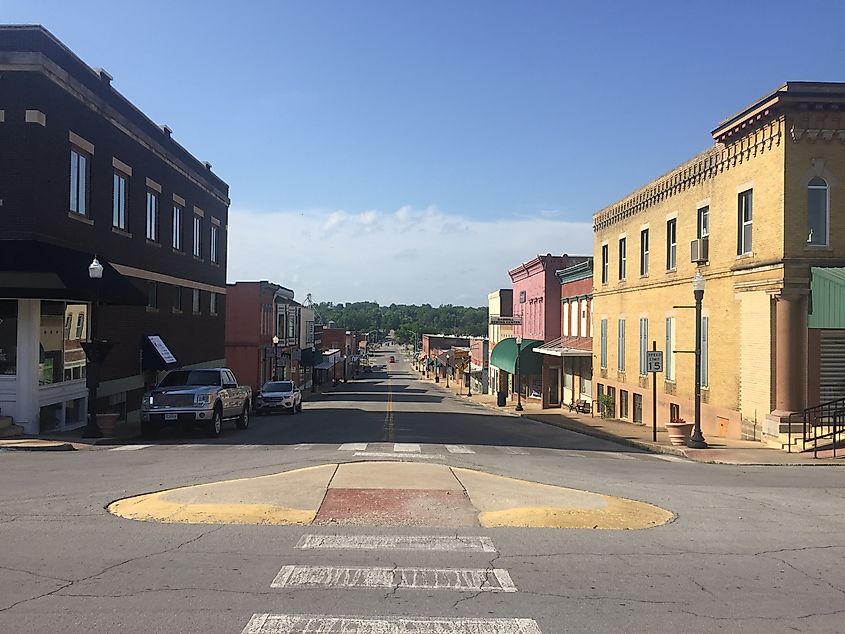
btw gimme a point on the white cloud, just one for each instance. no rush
(406, 256)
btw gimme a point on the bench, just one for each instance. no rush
(582, 405)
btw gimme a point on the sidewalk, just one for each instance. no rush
(721, 451)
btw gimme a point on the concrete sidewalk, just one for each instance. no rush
(721, 451)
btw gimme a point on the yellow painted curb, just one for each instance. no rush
(620, 514)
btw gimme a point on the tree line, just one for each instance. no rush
(405, 320)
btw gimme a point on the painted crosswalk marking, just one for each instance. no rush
(303, 446)
(353, 446)
(406, 447)
(129, 447)
(322, 624)
(443, 543)
(460, 579)
(514, 451)
(668, 458)
(390, 454)
(458, 449)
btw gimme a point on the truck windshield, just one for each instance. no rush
(278, 386)
(191, 377)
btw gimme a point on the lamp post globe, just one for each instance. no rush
(95, 269)
(696, 441)
(275, 357)
(94, 353)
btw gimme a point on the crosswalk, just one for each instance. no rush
(296, 576)
(413, 451)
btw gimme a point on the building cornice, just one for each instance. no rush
(580, 271)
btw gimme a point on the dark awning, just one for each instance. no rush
(37, 270)
(504, 356)
(155, 355)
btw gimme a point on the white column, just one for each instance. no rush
(29, 336)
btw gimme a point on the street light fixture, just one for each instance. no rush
(313, 368)
(275, 357)
(469, 376)
(95, 353)
(697, 441)
(518, 377)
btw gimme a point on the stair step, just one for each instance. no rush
(6, 421)
(10, 431)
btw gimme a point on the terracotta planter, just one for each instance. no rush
(679, 432)
(107, 423)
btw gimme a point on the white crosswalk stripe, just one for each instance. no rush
(316, 623)
(129, 447)
(514, 451)
(403, 456)
(303, 447)
(353, 446)
(440, 543)
(668, 458)
(406, 447)
(458, 449)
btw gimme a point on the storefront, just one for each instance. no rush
(529, 364)
(567, 370)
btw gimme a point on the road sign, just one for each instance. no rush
(499, 320)
(654, 360)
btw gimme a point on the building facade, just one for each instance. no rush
(499, 304)
(84, 174)
(756, 216)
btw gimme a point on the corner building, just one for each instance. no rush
(761, 216)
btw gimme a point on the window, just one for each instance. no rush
(119, 201)
(705, 354)
(212, 254)
(623, 257)
(743, 225)
(565, 319)
(177, 298)
(8, 336)
(669, 361)
(584, 318)
(195, 300)
(79, 181)
(68, 322)
(620, 346)
(672, 244)
(623, 404)
(643, 346)
(198, 236)
(703, 229)
(604, 343)
(638, 408)
(152, 294)
(177, 227)
(80, 325)
(152, 216)
(605, 264)
(212, 298)
(818, 205)
(591, 319)
(644, 252)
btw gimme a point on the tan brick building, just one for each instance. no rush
(760, 200)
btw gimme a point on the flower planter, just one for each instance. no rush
(679, 432)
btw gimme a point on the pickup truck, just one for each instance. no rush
(201, 397)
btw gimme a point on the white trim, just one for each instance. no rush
(36, 116)
(671, 216)
(120, 165)
(153, 185)
(623, 235)
(742, 187)
(705, 202)
(645, 227)
(79, 142)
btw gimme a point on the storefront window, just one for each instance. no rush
(74, 356)
(51, 351)
(8, 336)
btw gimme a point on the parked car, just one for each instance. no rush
(202, 397)
(278, 395)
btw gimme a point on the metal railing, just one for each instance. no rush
(820, 424)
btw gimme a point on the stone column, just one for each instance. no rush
(29, 336)
(790, 334)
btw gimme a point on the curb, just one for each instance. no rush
(61, 447)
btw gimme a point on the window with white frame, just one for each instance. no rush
(152, 215)
(643, 346)
(620, 345)
(605, 264)
(669, 364)
(623, 257)
(644, 252)
(178, 215)
(671, 244)
(818, 205)
(197, 236)
(591, 318)
(705, 353)
(565, 319)
(604, 343)
(703, 222)
(574, 313)
(212, 252)
(120, 199)
(79, 181)
(583, 330)
(744, 224)
(80, 324)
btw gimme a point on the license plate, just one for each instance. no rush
(171, 416)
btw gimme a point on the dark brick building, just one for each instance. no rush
(83, 172)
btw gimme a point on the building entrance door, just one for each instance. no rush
(553, 387)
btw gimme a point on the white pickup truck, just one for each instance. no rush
(201, 397)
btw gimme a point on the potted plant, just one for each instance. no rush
(606, 405)
(679, 431)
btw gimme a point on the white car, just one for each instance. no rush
(278, 395)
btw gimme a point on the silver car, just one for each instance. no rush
(278, 395)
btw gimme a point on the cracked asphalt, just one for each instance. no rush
(752, 549)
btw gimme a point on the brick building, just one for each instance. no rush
(83, 172)
(755, 214)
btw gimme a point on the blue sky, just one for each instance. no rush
(419, 140)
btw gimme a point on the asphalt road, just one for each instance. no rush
(753, 549)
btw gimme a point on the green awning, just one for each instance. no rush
(504, 356)
(827, 297)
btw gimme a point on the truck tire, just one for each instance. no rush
(215, 425)
(243, 420)
(299, 407)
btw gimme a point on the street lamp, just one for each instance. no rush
(275, 357)
(95, 352)
(518, 377)
(313, 367)
(697, 441)
(469, 376)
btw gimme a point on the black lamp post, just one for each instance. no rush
(469, 376)
(275, 357)
(518, 377)
(697, 441)
(95, 353)
(313, 368)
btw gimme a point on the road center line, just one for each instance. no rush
(442, 543)
(322, 624)
(459, 579)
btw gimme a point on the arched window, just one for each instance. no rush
(817, 211)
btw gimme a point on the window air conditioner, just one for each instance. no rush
(700, 250)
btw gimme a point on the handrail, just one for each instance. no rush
(820, 422)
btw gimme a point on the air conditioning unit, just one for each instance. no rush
(699, 250)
